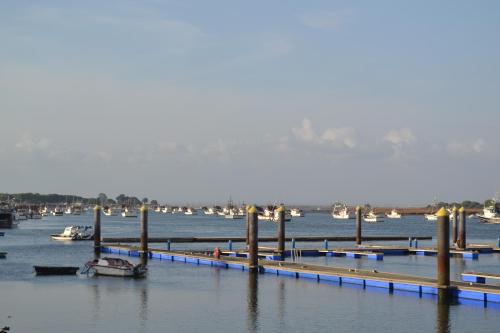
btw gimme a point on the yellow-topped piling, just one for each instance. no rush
(442, 212)
(462, 238)
(253, 239)
(281, 231)
(443, 245)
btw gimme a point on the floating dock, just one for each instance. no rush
(261, 239)
(479, 277)
(366, 279)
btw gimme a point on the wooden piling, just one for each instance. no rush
(97, 229)
(144, 232)
(281, 232)
(443, 244)
(454, 223)
(358, 225)
(253, 239)
(462, 239)
(248, 226)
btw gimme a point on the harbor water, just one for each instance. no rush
(179, 297)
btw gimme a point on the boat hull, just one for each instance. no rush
(119, 272)
(55, 270)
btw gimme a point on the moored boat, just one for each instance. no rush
(55, 270)
(393, 214)
(371, 217)
(340, 212)
(74, 233)
(430, 217)
(296, 212)
(115, 267)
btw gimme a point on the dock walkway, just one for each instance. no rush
(338, 275)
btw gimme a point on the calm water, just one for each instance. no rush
(185, 298)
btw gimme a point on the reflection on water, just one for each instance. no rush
(143, 308)
(96, 300)
(281, 304)
(443, 312)
(252, 302)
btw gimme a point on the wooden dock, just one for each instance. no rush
(337, 275)
(165, 239)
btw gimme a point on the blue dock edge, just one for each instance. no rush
(337, 279)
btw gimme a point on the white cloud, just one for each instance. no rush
(323, 19)
(27, 144)
(458, 148)
(343, 137)
(399, 139)
(306, 132)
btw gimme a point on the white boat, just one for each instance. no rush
(430, 217)
(393, 215)
(111, 211)
(296, 212)
(115, 267)
(371, 217)
(267, 215)
(179, 210)
(166, 209)
(490, 214)
(190, 211)
(242, 211)
(57, 211)
(68, 210)
(129, 212)
(74, 233)
(340, 212)
(233, 214)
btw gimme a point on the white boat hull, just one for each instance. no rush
(112, 271)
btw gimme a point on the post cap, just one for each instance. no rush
(358, 207)
(97, 207)
(252, 210)
(442, 212)
(281, 209)
(144, 208)
(461, 210)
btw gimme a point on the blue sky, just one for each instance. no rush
(387, 102)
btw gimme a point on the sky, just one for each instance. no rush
(301, 102)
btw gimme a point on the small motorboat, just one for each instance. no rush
(393, 214)
(55, 270)
(340, 212)
(74, 233)
(129, 212)
(296, 212)
(233, 214)
(430, 217)
(2, 233)
(371, 217)
(115, 267)
(190, 211)
(3, 255)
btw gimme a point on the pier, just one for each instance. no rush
(337, 275)
(165, 239)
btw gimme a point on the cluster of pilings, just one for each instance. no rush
(252, 236)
